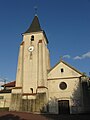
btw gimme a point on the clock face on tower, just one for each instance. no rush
(31, 48)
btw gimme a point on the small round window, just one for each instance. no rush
(63, 85)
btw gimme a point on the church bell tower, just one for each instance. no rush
(33, 64)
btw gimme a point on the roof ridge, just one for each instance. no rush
(67, 65)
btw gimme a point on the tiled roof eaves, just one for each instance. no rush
(10, 84)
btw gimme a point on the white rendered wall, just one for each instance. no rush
(73, 92)
(5, 102)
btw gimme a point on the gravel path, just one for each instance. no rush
(30, 116)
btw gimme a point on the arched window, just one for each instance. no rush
(62, 70)
(32, 38)
(31, 90)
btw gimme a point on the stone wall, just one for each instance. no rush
(28, 105)
(31, 105)
(16, 100)
(34, 105)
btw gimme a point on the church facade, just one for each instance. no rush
(40, 88)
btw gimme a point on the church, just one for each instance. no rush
(40, 88)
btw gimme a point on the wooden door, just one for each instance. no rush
(63, 107)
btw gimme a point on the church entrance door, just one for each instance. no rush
(63, 107)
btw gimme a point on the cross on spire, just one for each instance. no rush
(61, 58)
(35, 8)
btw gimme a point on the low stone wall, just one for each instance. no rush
(16, 100)
(31, 105)
(34, 105)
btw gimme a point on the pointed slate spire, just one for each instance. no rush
(35, 25)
